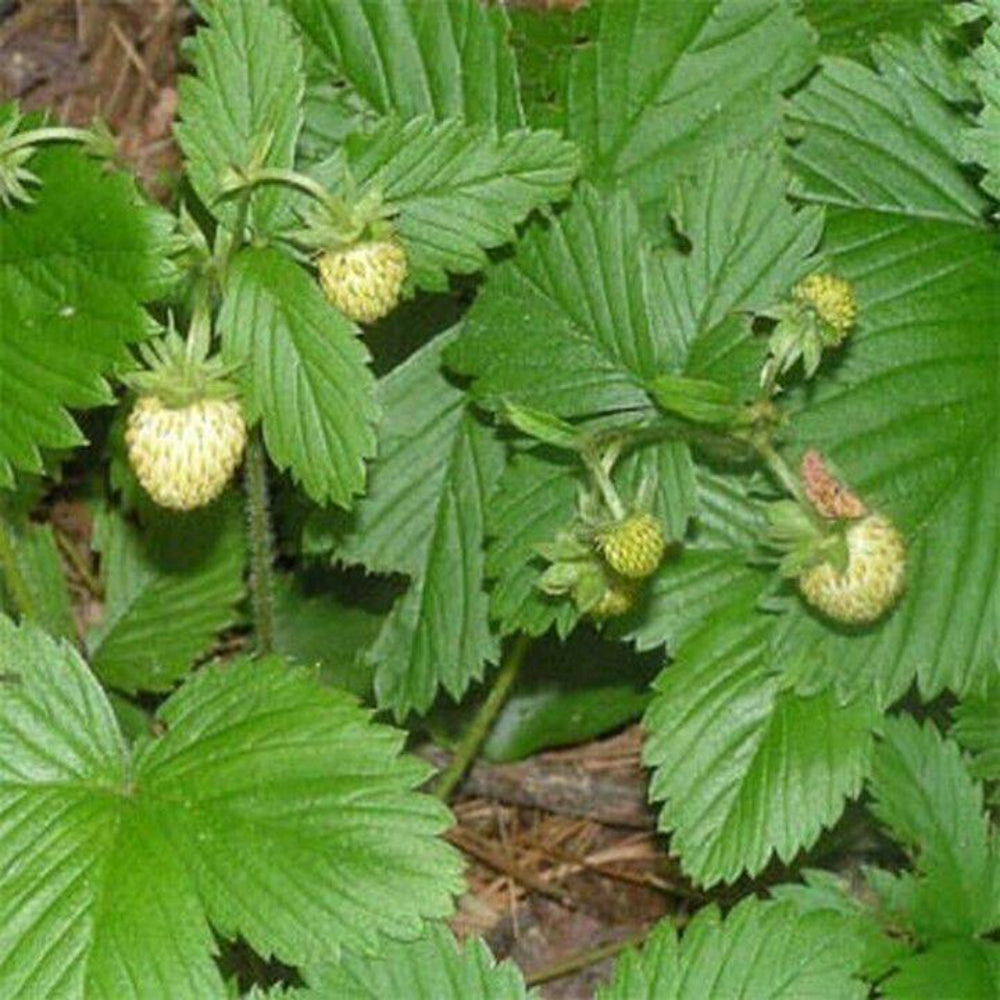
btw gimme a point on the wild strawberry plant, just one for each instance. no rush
(659, 333)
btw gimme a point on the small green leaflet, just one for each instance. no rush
(424, 516)
(434, 967)
(244, 104)
(911, 412)
(924, 793)
(271, 808)
(981, 142)
(172, 584)
(304, 371)
(459, 190)
(762, 949)
(663, 85)
(744, 768)
(446, 59)
(75, 268)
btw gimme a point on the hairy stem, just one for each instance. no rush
(261, 541)
(17, 586)
(480, 726)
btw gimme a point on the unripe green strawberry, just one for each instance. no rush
(618, 599)
(364, 280)
(873, 580)
(185, 455)
(833, 300)
(634, 547)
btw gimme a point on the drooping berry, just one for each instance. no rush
(872, 581)
(185, 455)
(832, 299)
(634, 547)
(364, 280)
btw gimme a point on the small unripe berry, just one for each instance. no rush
(832, 298)
(364, 281)
(618, 599)
(184, 456)
(873, 580)
(634, 547)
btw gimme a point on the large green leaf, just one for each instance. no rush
(744, 767)
(924, 793)
(270, 808)
(433, 967)
(662, 85)
(304, 373)
(761, 951)
(447, 59)
(171, 585)
(244, 104)
(74, 269)
(459, 190)
(910, 413)
(424, 516)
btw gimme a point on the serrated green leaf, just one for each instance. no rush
(574, 323)
(424, 516)
(434, 967)
(304, 373)
(171, 585)
(958, 970)
(910, 412)
(271, 808)
(744, 768)
(848, 28)
(924, 793)
(981, 142)
(977, 728)
(763, 950)
(660, 86)
(459, 190)
(37, 588)
(244, 104)
(448, 59)
(75, 268)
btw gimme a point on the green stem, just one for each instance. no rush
(480, 726)
(54, 133)
(584, 959)
(17, 586)
(782, 471)
(261, 540)
(236, 237)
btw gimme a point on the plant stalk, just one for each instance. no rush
(480, 726)
(584, 959)
(261, 542)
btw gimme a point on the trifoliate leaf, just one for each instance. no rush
(662, 85)
(434, 967)
(909, 414)
(36, 588)
(75, 267)
(763, 950)
(962, 969)
(744, 768)
(424, 515)
(304, 373)
(924, 793)
(270, 808)
(981, 142)
(459, 190)
(243, 106)
(447, 59)
(977, 728)
(171, 585)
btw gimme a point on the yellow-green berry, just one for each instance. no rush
(618, 599)
(872, 581)
(364, 281)
(184, 456)
(634, 547)
(831, 298)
